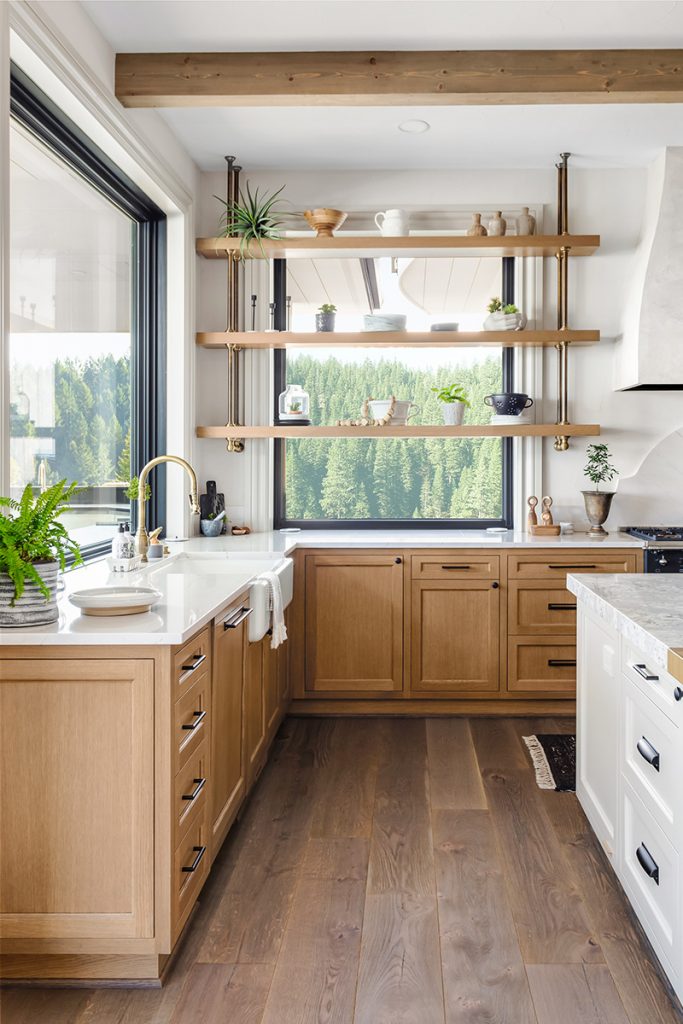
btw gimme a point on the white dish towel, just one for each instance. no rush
(279, 634)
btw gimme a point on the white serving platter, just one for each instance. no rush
(115, 600)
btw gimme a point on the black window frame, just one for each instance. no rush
(280, 520)
(38, 114)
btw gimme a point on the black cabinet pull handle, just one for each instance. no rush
(200, 851)
(197, 660)
(557, 606)
(678, 692)
(648, 752)
(593, 566)
(397, 561)
(199, 718)
(648, 863)
(237, 618)
(450, 567)
(561, 662)
(644, 671)
(199, 786)
(495, 585)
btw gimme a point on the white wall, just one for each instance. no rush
(605, 202)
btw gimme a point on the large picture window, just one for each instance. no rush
(86, 343)
(441, 482)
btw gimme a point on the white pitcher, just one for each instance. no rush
(392, 222)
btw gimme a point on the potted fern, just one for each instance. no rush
(599, 470)
(455, 400)
(252, 219)
(34, 546)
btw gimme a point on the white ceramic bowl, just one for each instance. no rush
(115, 600)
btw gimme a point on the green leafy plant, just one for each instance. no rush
(452, 393)
(599, 468)
(496, 306)
(252, 219)
(131, 490)
(31, 533)
(327, 307)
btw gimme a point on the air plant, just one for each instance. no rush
(251, 219)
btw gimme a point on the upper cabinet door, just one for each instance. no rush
(354, 624)
(455, 639)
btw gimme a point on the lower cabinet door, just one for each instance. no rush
(227, 770)
(255, 736)
(455, 641)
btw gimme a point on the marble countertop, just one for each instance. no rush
(647, 610)
(190, 600)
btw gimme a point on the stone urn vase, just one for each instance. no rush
(598, 504)
(32, 608)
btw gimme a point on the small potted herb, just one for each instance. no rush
(599, 470)
(324, 318)
(504, 317)
(455, 400)
(252, 219)
(34, 546)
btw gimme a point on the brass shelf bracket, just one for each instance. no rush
(562, 440)
(234, 444)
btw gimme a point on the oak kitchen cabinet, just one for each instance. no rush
(121, 771)
(491, 629)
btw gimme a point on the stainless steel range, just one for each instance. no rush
(663, 547)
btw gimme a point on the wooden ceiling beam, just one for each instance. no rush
(390, 78)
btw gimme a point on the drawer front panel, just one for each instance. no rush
(649, 869)
(651, 757)
(191, 721)
(190, 868)
(542, 665)
(535, 608)
(547, 565)
(455, 565)
(189, 790)
(191, 662)
(651, 680)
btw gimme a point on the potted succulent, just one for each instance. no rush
(599, 470)
(455, 400)
(34, 546)
(504, 317)
(324, 318)
(251, 219)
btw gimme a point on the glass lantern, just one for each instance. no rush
(294, 405)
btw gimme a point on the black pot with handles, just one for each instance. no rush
(512, 403)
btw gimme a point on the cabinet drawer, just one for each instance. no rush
(534, 607)
(651, 757)
(189, 789)
(546, 665)
(455, 565)
(191, 714)
(192, 661)
(653, 681)
(547, 565)
(649, 873)
(190, 868)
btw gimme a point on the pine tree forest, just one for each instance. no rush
(392, 478)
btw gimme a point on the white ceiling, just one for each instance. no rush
(364, 138)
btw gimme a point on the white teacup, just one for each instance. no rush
(402, 411)
(392, 222)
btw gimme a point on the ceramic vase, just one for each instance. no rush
(598, 504)
(526, 222)
(477, 228)
(453, 413)
(497, 224)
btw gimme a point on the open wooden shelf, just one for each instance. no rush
(416, 246)
(394, 339)
(470, 430)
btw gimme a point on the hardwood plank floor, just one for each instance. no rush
(397, 872)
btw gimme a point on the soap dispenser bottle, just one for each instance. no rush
(118, 544)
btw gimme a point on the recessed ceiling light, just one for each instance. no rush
(414, 127)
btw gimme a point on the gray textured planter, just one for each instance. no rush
(31, 609)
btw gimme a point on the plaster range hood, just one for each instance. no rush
(649, 353)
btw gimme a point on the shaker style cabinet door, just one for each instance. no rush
(455, 636)
(354, 624)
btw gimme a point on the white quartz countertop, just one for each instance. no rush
(190, 599)
(647, 610)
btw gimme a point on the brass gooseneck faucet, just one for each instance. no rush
(141, 535)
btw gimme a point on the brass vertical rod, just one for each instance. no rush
(234, 444)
